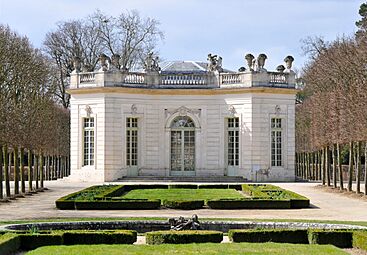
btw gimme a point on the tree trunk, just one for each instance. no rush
(21, 167)
(327, 163)
(10, 162)
(30, 177)
(323, 171)
(340, 168)
(350, 167)
(6, 171)
(16, 171)
(53, 167)
(358, 167)
(41, 170)
(365, 168)
(1, 173)
(334, 166)
(36, 170)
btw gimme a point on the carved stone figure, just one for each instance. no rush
(104, 61)
(87, 68)
(181, 223)
(288, 61)
(214, 63)
(77, 64)
(151, 63)
(115, 61)
(280, 68)
(249, 58)
(261, 62)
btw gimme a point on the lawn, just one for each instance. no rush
(183, 194)
(191, 249)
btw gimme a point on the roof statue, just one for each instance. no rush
(151, 63)
(214, 63)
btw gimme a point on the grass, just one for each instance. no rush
(183, 194)
(191, 249)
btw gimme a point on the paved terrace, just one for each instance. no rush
(325, 206)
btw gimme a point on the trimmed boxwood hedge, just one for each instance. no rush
(360, 240)
(338, 238)
(33, 241)
(9, 243)
(186, 236)
(183, 186)
(184, 205)
(249, 204)
(102, 197)
(269, 235)
(99, 237)
(118, 205)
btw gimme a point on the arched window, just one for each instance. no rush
(182, 121)
(182, 146)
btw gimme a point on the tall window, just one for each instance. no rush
(132, 141)
(233, 141)
(276, 142)
(88, 140)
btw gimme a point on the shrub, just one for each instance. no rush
(235, 186)
(269, 235)
(184, 205)
(338, 238)
(187, 236)
(9, 243)
(248, 204)
(33, 241)
(360, 240)
(99, 237)
(118, 205)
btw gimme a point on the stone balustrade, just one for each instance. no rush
(165, 80)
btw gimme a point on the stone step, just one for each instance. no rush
(214, 179)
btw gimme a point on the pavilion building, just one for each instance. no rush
(184, 118)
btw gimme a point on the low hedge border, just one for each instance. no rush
(249, 204)
(33, 241)
(99, 237)
(360, 240)
(118, 205)
(186, 236)
(184, 205)
(118, 190)
(9, 243)
(338, 238)
(102, 197)
(269, 235)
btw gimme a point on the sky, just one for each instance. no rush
(194, 28)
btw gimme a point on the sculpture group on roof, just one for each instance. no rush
(151, 63)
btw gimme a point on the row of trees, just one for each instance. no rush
(331, 121)
(32, 127)
(34, 115)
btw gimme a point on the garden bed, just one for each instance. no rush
(185, 196)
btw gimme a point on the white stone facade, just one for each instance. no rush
(250, 96)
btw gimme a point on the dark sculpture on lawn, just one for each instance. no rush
(181, 223)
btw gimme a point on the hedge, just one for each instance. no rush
(213, 186)
(9, 243)
(183, 186)
(186, 236)
(118, 205)
(118, 190)
(184, 205)
(269, 235)
(99, 237)
(360, 240)
(338, 238)
(33, 241)
(249, 204)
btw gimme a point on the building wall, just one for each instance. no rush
(155, 112)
